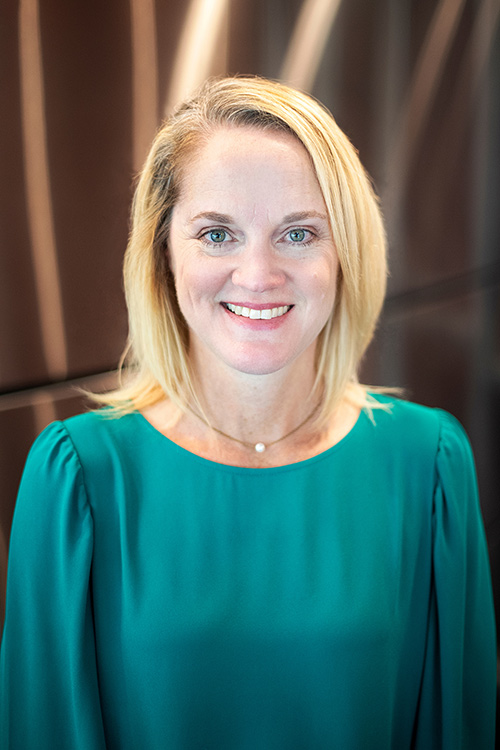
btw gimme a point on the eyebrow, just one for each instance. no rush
(288, 219)
(213, 216)
(302, 216)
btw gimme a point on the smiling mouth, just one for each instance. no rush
(251, 312)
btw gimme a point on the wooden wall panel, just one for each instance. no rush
(414, 84)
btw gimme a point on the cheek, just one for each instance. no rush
(198, 279)
(324, 281)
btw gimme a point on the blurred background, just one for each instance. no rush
(83, 86)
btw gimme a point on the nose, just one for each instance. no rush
(258, 270)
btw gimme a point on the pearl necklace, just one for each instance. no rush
(259, 447)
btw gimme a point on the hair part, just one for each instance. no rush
(157, 353)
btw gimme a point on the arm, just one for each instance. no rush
(48, 676)
(457, 702)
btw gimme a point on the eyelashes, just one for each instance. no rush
(218, 236)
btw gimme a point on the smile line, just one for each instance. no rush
(253, 314)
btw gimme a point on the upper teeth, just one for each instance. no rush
(250, 312)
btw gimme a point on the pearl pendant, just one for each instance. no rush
(260, 447)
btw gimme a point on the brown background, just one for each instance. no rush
(83, 85)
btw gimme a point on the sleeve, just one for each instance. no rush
(49, 694)
(458, 696)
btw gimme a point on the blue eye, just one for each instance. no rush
(298, 235)
(217, 235)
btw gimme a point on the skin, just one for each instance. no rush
(273, 247)
(250, 229)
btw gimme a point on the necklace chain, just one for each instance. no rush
(259, 447)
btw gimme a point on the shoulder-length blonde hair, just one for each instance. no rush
(157, 350)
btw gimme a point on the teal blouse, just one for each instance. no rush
(157, 600)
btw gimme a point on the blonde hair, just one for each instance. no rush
(157, 350)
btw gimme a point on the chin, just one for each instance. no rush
(262, 358)
(253, 369)
(259, 363)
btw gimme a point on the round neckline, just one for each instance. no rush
(360, 421)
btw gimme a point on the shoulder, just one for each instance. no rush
(71, 444)
(429, 451)
(101, 439)
(404, 419)
(99, 430)
(83, 457)
(52, 450)
(52, 481)
(418, 429)
(94, 424)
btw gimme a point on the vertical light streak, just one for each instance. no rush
(418, 105)
(144, 77)
(41, 226)
(429, 70)
(44, 408)
(308, 42)
(200, 39)
(484, 246)
(464, 108)
(473, 66)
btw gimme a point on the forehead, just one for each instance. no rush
(234, 156)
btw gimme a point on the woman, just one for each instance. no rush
(247, 549)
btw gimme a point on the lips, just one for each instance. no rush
(257, 313)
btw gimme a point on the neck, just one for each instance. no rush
(253, 409)
(257, 408)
